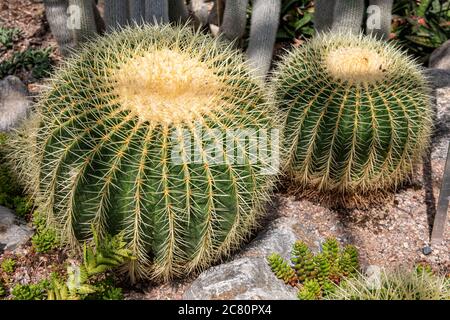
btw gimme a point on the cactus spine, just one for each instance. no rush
(111, 148)
(358, 114)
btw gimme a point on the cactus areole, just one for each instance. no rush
(358, 114)
(124, 143)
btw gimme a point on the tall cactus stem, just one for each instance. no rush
(87, 27)
(323, 15)
(156, 11)
(348, 16)
(234, 19)
(380, 26)
(216, 15)
(116, 14)
(263, 33)
(57, 17)
(137, 11)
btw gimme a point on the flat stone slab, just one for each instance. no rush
(248, 276)
(242, 279)
(13, 232)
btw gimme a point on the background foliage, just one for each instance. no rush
(418, 26)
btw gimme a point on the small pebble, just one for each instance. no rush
(427, 250)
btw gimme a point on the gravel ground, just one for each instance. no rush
(29, 17)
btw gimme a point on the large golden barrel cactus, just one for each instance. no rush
(357, 114)
(133, 135)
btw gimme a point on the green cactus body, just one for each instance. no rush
(281, 268)
(358, 114)
(109, 126)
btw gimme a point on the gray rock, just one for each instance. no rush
(278, 237)
(438, 78)
(242, 279)
(13, 232)
(14, 102)
(440, 58)
(249, 277)
(440, 83)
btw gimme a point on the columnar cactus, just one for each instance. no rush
(263, 30)
(358, 114)
(348, 16)
(56, 13)
(72, 22)
(113, 147)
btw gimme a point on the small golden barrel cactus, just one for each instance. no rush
(146, 131)
(358, 114)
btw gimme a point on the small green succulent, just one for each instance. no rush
(2, 289)
(35, 291)
(45, 238)
(310, 291)
(82, 281)
(106, 290)
(8, 265)
(7, 37)
(317, 274)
